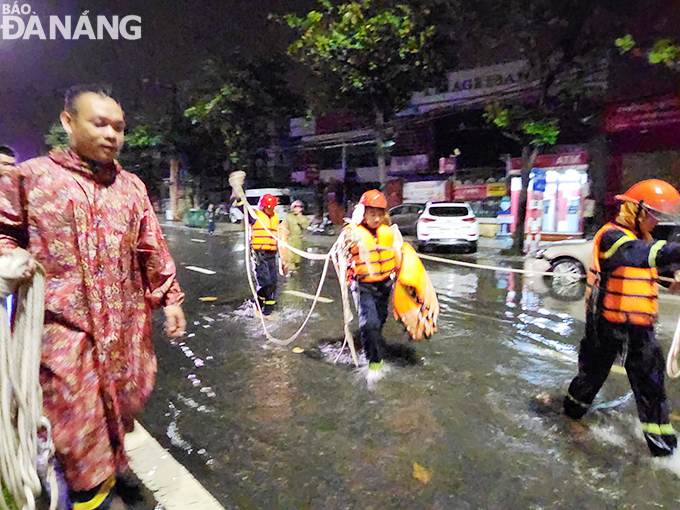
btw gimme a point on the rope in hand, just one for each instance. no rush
(21, 409)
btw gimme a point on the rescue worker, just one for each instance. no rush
(372, 269)
(264, 248)
(621, 309)
(295, 223)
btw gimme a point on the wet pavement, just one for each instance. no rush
(455, 423)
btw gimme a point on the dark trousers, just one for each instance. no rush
(266, 274)
(644, 364)
(371, 300)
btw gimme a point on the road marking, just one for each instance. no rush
(307, 296)
(200, 270)
(171, 483)
(198, 240)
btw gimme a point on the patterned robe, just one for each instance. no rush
(108, 267)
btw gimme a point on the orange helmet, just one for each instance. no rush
(373, 198)
(267, 200)
(654, 194)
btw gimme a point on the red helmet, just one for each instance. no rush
(373, 198)
(655, 194)
(267, 200)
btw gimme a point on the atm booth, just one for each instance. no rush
(556, 196)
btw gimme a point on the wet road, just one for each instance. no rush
(453, 425)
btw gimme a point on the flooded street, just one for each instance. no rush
(455, 423)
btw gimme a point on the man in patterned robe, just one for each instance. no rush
(92, 227)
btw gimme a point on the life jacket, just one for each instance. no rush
(414, 301)
(627, 294)
(260, 239)
(370, 261)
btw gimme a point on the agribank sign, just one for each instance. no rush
(472, 85)
(19, 21)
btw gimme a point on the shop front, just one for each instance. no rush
(555, 198)
(485, 200)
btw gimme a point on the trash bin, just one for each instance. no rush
(195, 218)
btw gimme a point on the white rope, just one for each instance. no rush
(672, 360)
(21, 411)
(269, 336)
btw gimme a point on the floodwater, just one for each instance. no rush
(454, 424)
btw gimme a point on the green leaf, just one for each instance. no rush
(625, 44)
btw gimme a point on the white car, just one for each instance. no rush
(447, 224)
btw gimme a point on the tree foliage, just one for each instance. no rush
(566, 45)
(372, 56)
(245, 105)
(663, 51)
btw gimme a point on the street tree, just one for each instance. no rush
(566, 46)
(246, 106)
(370, 57)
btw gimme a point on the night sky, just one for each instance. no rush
(176, 36)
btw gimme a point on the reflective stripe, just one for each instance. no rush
(616, 246)
(577, 402)
(101, 495)
(660, 430)
(654, 251)
(270, 302)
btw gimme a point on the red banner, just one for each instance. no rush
(470, 192)
(554, 160)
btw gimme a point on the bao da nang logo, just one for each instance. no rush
(20, 22)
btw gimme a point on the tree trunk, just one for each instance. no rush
(528, 160)
(380, 146)
(174, 189)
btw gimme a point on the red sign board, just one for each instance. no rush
(470, 192)
(643, 114)
(554, 160)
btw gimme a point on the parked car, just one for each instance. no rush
(406, 216)
(447, 224)
(569, 261)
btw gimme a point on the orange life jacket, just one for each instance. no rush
(260, 239)
(629, 293)
(379, 264)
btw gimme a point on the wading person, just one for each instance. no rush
(621, 309)
(264, 248)
(295, 223)
(91, 226)
(372, 270)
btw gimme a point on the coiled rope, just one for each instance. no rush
(21, 409)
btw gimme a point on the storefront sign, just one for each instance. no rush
(495, 189)
(470, 192)
(551, 161)
(480, 83)
(447, 165)
(409, 164)
(644, 114)
(424, 191)
(478, 191)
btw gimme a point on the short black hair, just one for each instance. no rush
(6, 151)
(76, 91)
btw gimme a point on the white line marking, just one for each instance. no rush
(198, 240)
(307, 296)
(172, 484)
(200, 270)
